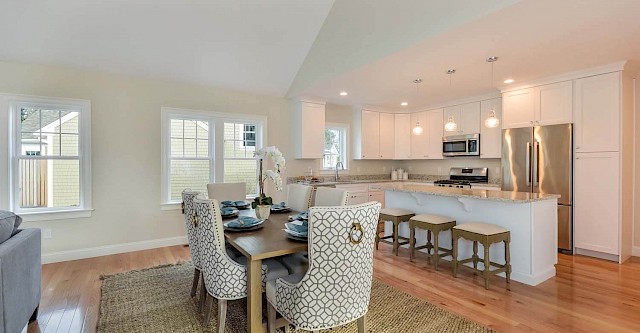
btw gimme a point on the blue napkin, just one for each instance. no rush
(300, 216)
(240, 203)
(298, 228)
(279, 206)
(228, 211)
(243, 222)
(226, 203)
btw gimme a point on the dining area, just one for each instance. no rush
(283, 259)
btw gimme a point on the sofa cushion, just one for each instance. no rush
(16, 225)
(7, 224)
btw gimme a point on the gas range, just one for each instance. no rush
(453, 183)
(464, 177)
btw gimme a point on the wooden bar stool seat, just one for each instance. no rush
(432, 224)
(486, 234)
(397, 216)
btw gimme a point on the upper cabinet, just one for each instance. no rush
(553, 104)
(434, 132)
(490, 138)
(402, 132)
(597, 113)
(374, 135)
(387, 136)
(427, 145)
(466, 117)
(308, 129)
(543, 105)
(370, 134)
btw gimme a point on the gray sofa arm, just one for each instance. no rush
(20, 279)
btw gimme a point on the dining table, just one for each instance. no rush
(270, 241)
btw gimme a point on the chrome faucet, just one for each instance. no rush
(338, 164)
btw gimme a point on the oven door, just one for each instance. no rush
(455, 147)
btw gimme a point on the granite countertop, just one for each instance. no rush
(372, 181)
(495, 195)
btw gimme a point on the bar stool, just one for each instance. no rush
(432, 224)
(397, 216)
(486, 234)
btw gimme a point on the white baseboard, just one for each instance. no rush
(636, 251)
(99, 251)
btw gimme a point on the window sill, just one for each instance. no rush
(171, 206)
(55, 215)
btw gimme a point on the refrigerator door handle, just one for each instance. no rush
(536, 162)
(528, 164)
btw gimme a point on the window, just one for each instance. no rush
(335, 146)
(190, 164)
(239, 163)
(50, 158)
(202, 147)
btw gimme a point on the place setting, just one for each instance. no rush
(297, 228)
(243, 223)
(280, 208)
(240, 204)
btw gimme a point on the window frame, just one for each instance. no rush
(216, 143)
(13, 103)
(344, 129)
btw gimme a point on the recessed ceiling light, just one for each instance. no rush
(404, 103)
(507, 81)
(343, 93)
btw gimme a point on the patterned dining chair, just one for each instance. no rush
(227, 191)
(192, 236)
(332, 292)
(329, 197)
(299, 197)
(224, 278)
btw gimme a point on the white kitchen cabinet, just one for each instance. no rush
(597, 113)
(370, 134)
(308, 129)
(358, 193)
(466, 116)
(597, 202)
(549, 104)
(419, 143)
(518, 108)
(434, 132)
(402, 124)
(553, 104)
(376, 195)
(490, 138)
(387, 136)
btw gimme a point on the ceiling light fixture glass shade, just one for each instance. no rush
(418, 129)
(344, 93)
(451, 125)
(492, 121)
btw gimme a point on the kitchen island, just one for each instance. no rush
(532, 219)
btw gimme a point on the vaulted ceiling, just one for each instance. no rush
(373, 49)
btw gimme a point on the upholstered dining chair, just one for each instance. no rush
(332, 292)
(299, 197)
(224, 278)
(329, 197)
(227, 191)
(192, 235)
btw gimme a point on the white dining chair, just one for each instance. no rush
(328, 197)
(332, 292)
(299, 197)
(188, 197)
(224, 278)
(227, 191)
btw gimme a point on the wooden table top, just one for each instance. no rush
(269, 241)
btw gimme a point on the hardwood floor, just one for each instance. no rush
(587, 295)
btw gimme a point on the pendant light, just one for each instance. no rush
(417, 130)
(451, 125)
(492, 121)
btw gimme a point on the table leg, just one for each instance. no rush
(254, 296)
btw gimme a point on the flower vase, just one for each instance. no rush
(263, 211)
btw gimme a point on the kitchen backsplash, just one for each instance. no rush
(322, 179)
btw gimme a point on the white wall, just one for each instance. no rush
(126, 150)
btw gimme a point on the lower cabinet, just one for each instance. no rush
(597, 202)
(362, 193)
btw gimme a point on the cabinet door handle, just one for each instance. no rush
(380, 155)
(577, 147)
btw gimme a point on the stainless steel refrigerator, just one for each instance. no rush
(539, 160)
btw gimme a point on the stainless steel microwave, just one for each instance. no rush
(461, 145)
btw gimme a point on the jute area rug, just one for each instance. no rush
(157, 300)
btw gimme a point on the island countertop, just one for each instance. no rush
(494, 195)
